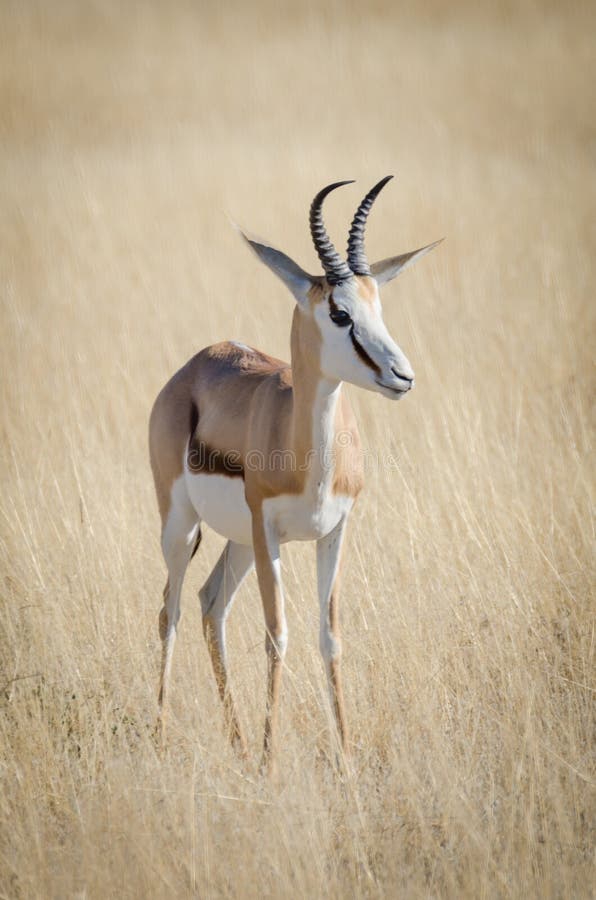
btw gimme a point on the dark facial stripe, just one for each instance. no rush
(339, 317)
(363, 354)
(197, 543)
(333, 307)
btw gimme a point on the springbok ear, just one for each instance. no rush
(295, 279)
(386, 269)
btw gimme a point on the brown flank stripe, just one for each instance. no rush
(206, 460)
(202, 458)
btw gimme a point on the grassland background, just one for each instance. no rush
(128, 134)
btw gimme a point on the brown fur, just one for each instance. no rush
(249, 402)
(225, 403)
(367, 289)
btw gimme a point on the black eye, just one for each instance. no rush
(340, 317)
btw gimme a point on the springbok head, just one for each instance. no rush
(355, 344)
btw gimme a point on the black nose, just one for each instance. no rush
(400, 375)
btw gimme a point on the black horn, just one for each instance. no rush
(335, 268)
(356, 255)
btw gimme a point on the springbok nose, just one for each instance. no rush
(403, 377)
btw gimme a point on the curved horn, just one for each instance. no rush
(335, 268)
(356, 256)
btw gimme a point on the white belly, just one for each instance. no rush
(219, 501)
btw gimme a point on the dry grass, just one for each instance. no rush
(127, 133)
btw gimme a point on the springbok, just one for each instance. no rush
(265, 452)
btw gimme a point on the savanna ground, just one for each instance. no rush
(129, 133)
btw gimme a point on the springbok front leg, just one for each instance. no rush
(328, 566)
(217, 596)
(268, 564)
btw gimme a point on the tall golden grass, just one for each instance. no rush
(128, 134)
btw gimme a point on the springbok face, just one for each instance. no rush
(355, 344)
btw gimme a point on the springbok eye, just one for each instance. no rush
(340, 317)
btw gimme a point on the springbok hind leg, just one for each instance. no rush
(217, 596)
(179, 540)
